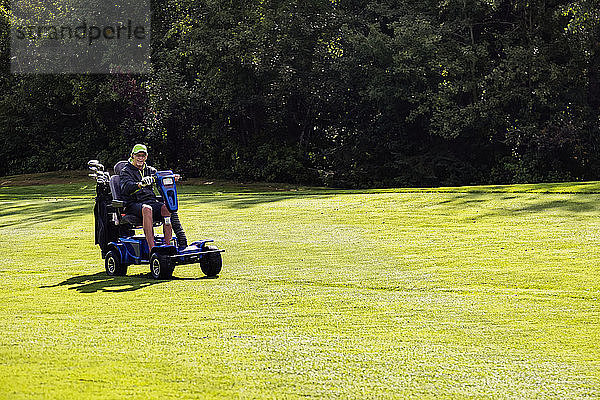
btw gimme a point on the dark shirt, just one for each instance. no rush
(130, 176)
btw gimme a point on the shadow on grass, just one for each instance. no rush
(242, 201)
(44, 191)
(33, 214)
(567, 205)
(15, 213)
(100, 282)
(533, 203)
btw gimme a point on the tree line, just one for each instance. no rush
(338, 92)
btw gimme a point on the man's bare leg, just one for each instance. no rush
(167, 228)
(147, 223)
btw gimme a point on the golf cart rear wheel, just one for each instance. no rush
(113, 264)
(161, 266)
(211, 263)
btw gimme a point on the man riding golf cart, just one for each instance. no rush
(137, 179)
(125, 202)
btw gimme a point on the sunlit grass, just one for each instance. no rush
(475, 292)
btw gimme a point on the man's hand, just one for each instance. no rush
(147, 181)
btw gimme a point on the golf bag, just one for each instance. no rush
(106, 231)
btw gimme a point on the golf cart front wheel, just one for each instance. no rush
(161, 266)
(211, 263)
(113, 264)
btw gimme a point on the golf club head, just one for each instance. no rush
(96, 163)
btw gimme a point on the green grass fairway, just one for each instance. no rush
(482, 292)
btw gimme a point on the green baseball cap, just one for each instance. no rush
(138, 148)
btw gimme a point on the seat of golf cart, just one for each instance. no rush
(125, 220)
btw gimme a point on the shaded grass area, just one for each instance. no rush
(472, 293)
(76, 184)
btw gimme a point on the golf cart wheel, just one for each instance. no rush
(211, 263)
(161, 266)
(113, 264)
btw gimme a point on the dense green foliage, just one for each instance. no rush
(339, 92)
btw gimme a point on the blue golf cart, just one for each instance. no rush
(121, 246)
